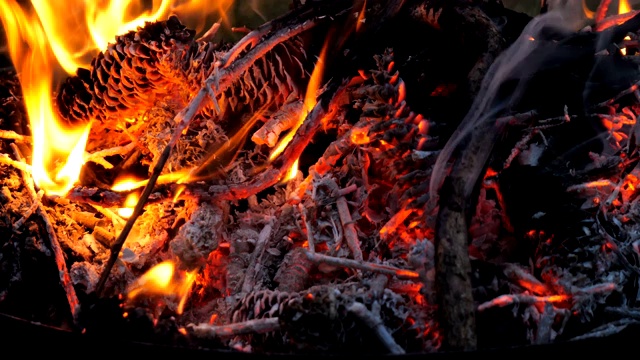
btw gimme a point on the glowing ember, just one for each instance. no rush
(360, 136)
(164, 280)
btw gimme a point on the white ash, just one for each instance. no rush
(200, 235)
(85, 275)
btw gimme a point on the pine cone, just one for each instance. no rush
(137, 70)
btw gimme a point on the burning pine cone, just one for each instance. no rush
(136, 71)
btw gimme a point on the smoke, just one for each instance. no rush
(508, 78)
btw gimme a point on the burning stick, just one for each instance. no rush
(256, 326)
(373, 320)
(65, 279)
(362, 265)
(525, 299)
(272, 175)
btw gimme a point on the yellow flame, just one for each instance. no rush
(623, 7)
(57, 151)
(129, 203)
(106, 21)
(128, 184)
(164, 280)
(308, 104)
(293, 171)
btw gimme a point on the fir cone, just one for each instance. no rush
(133, 73)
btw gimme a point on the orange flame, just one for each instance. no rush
(164, 280)
(309, 101)
(588, 13)
(46, 39)
(623, 7)
(293, 171)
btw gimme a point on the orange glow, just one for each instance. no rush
(309, 102)
(164, 280)
(394, 222)
(588, 13)
(360, 136)
(224, 155)
(402, 92)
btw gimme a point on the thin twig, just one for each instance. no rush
(12, 135)
(63, 273)
(362, 265)
(98, 157)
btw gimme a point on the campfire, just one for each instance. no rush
(378, 176)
